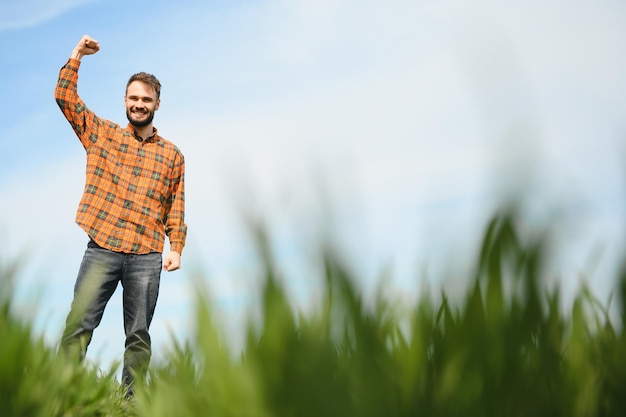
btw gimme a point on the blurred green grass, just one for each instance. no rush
(506, 349)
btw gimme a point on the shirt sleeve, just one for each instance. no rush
(83, 121)
(175, 226)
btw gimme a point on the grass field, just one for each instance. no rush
(506, 349)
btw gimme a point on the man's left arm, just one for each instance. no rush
(175, 226)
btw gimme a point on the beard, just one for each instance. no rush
(140, 123)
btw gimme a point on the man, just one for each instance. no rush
(134, 195)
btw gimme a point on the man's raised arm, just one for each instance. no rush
(66, 91)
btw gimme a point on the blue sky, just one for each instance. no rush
(414, 118)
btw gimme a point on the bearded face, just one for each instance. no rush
(141, 102)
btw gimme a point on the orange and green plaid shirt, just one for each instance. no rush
(134, 190)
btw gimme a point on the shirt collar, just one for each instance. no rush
(151, 138)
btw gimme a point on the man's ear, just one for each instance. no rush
(158, 103)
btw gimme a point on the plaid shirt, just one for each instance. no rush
(134, 190)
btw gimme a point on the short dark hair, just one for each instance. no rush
(148, 79)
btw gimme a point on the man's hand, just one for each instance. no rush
(172, 262)
(86, 46)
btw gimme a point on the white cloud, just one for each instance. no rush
(28, 13)
(409, 103)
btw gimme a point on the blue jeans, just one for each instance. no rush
(98, 276)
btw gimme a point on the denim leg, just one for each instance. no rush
(140, 280)
(99, 273)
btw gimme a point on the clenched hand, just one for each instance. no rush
(86, 46)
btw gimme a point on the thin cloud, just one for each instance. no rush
(25, 14)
